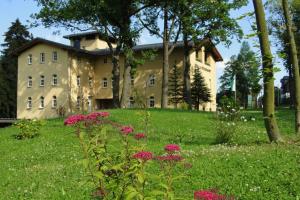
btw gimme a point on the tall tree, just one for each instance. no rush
(295, 62)
(175, 86)
(200, 93)
(16, 36)
(268, 74)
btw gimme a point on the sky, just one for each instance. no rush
(22, 9)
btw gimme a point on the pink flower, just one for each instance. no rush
(170, 158)
(208, 195)
(139, 136)
(96, 115)
(74, 119)
(126, 130)
(143, 155)
(172, 147)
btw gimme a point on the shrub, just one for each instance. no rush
(61, 111)
(28, 128)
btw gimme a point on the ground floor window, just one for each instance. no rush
(54, 102)
(78, 102)
(131, 102)
(42, 102)
(151, 102)
(29, 103)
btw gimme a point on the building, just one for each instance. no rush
(79, 76)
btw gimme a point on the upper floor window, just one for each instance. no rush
(54, 102)
(152, 80)
(42, 81)
(29, 81)
(132, 80)
(42, 58)
(54, 56)
(54, 80)
(42, 102)
(104, 83)
(90, 82)
(78, 102)
(78, 81)
(151, 102)
(29, 59)
(29, 103)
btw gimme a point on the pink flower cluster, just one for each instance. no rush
(172, 147)
(143, 155)
(139, 136)
(209, 195)
(74, 119)
(126, 130)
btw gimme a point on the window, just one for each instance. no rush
(54, 56)
(78, 81)
(42, 81)
(42, 103)
(90, 82)
(207, 62)
(112, 82)
(29, 82)
(54, 80)
(54, 102)
(152, 80)
(29, 59)
(199, 55)
(42, 58)
(131, 102)
(105, 60)
(151, 102)
(132, 80)
(78, 102)
(104, 83)
(29, 103)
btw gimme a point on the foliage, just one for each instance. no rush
(175, 86)
(199, 90)
(16, 36)
(28, 128)
(61, 111)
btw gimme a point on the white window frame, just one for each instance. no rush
(151, 101)
(42, 81)
(104, 82)
(42, 58)
(42, 102)
(78, 102)
(29, 59)
(29, 81)
(29, 103)
(78, 81)
(54, 56)
(54, 80)
(152, 79)
(54, 101)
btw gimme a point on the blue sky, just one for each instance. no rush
(22, 9)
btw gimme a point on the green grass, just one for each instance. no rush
(48, 167)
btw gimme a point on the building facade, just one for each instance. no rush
(78, 77)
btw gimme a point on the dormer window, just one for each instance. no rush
(104, 83)
(42, 58)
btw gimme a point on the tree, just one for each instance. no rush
(245, 67)
(268, 74)
(295, 62)
(16, 36)
(199, 91)
(175, 86)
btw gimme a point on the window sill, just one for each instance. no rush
(41, 108)
(52, 107)
(29, 86)
(28, 108)
(42, 85)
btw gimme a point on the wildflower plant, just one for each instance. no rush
(28, 128)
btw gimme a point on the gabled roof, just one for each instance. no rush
(207, 43)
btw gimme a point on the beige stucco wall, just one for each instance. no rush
(92, 44)
(36, 69)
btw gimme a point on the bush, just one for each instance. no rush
(61, 111)
(28, 128)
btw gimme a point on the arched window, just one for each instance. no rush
(29, 82)
(78, 102)
(151, 102)
(104, 83)
(42, 81)
(29, 103)
(42, 102)
(54, 102)
(152, 80)
(54, 79)
(78, 81)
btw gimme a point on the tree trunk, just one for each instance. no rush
(165, 78)
(116, 81)
(186, 74)
(268, 78)
(126, 84)
(291, 88)
(294, 63)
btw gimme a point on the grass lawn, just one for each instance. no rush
(48, 167)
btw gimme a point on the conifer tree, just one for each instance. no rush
(175, 86)
(16, 36)
(200, 93)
